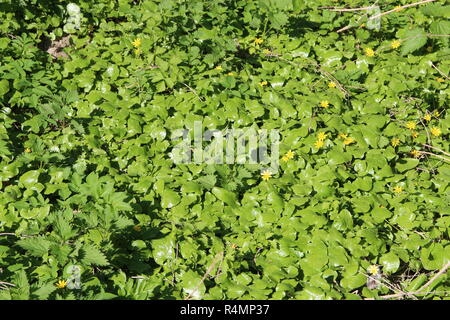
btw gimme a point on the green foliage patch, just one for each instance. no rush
(86, 177)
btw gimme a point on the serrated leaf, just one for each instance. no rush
(36, 246)
(92, 255)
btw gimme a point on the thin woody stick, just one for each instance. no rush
(399, 8)
(218, 257)
(347, 9)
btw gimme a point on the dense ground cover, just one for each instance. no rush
(90, 93)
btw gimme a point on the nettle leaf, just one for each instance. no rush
(413, 40)
(93, 255)
(36, 246)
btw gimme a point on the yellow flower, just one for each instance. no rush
(395, 142)
(397, 189)
(318, 144)
(266, 175)
(369, 52)
(411, 125)
(267, 51)
(137, 51)
(137, 228)
(435, 131)
(263, 83)
(373, 270)
(348, 140)
(137, 43)
(362, 25)
(332, 85)
(342, 135)
(414, 134)
(218, 68)
(398, 8)
(321, 136)
(231, 74)
(61, 284)
(415, 153)
(427, 117)
(27, 150)
(258, 41)
(440, 80)
(395, 44)
(436, 114)
(324, 104)
(290, 154)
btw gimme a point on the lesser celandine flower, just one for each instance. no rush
(332, 85)
(440, 80)
(218, 68)
(321, 136)
(263, 83)
(324, 104)
(373, 270)
(137, 43)
(266, 175)
(61, 284)
(258, 41)
(395, 44)
(415, 153)
(414, 134)
(290, 154)
(427, 117)
(435, 131)
(395, 142)
(348, 140)
(397, 189)
(369, 52)
(411, 125)
(318, 144)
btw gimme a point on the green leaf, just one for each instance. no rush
(29, 178)
(36, 246)
(92, 255)
(390, 262)
(414, 40)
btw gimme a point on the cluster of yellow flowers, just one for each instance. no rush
(288, 156)
(263, 83)
(347, 140)
(137, 45)
(320, 140)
